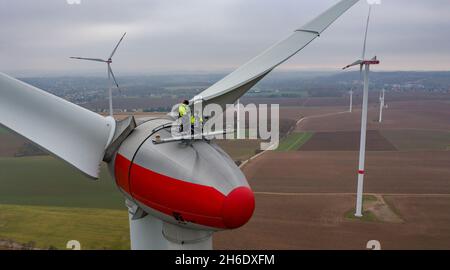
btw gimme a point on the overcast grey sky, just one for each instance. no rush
(37, 37)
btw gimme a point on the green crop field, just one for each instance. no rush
(46, 202)
(240, 149)
(294, 141)
(45, 180)
(3, 130)
(52, 227)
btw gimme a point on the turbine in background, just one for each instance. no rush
(110, 72)
(238, 120)
(351, 92)
(362, 148)
(355, 85)
(380, 119)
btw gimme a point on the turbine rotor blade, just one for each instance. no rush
(360, 71)
(112, 74)
(90, 59)
(237, 83)
(114, 77)
(365, 35)
(115, 48)
(74, 134)
(358, 62)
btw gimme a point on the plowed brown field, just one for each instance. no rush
(346, 141)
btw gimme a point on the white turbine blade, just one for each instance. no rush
(115, 48)
(365, 35)
(90, 59)
(233, 86)
(70, 132)
(359, 62)
(114, 77)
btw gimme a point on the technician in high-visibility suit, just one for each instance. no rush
(196, 123)
(183, 113)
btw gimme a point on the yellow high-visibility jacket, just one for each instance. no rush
(182, 110)
(193, 119)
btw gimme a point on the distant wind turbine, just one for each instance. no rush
(110, 72)
(362, 147)
(351, 100)
(380, 119)
(238, 120)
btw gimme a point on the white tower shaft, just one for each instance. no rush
(110, 101)
(381, 106)
(362, 144)
(110, 92)
(351, 101)
(238, 119)
(150, 233)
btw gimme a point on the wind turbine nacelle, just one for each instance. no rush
(194, 185)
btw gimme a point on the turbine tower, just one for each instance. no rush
(380, 119)
(351, 92)
(238, 120)
(109, 70)
(362, 147)
(350, 109)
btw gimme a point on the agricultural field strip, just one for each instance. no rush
(255, 156)
(300, 138)
(51, 227)
(318, 116)
(294, 141)
(297, 123)
(350, 194)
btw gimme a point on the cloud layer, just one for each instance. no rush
(37, 37)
